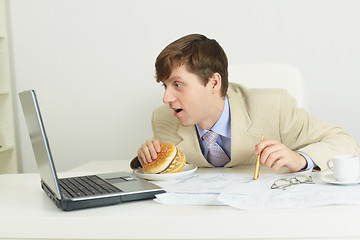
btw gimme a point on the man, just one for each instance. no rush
(216, 123)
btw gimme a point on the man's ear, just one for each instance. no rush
(215, 82)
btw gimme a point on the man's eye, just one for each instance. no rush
(177, 84)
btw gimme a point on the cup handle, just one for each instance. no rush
(328, 164)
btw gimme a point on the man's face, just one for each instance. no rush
(187, 96)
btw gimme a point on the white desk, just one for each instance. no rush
(27, 213)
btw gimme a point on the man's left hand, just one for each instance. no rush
(275, 155)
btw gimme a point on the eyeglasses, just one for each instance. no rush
(287, 182)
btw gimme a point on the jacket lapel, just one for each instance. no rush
(190, 145)
(243, 134)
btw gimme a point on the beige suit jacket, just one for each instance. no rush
(253, 112)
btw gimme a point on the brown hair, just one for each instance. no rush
(201, 56)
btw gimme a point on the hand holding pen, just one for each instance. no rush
(274, 154)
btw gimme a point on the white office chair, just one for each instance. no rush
(270, 75)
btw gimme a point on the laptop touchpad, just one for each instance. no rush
(120, 179)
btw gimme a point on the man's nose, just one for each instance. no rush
(168, 97)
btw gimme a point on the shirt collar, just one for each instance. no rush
(223, 125)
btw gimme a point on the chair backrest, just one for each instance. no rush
(270, 75)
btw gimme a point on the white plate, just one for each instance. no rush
(187, 170)
(330, 178)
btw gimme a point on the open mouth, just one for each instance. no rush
(178, 110)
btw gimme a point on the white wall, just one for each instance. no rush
(92, 62)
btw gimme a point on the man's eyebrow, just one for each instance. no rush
(173, 78)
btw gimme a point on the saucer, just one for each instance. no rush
(187, 170)
(330, 178)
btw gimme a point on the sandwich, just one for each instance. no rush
(170, 160)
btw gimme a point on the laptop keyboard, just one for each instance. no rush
(86, 186)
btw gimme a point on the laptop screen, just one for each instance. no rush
(39, 140)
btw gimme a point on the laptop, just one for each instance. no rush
(82, 191)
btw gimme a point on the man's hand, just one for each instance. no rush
(275, 155)
(148, 151)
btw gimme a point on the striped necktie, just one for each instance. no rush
(217, 156)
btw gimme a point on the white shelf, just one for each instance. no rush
(8, 154)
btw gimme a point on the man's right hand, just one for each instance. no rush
(148, 151)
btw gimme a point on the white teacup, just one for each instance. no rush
(346, 168)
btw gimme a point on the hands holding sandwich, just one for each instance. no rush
(160, 158)
(148, 151)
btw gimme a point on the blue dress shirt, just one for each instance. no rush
(223, 128)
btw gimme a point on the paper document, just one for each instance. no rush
(241, 191)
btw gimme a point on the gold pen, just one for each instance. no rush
(257, 167)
